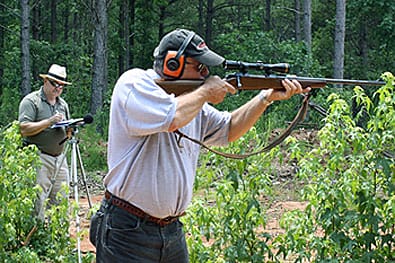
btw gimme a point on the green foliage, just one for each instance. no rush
(349, 186)
(93, 149)
(225, 220)
(236, 31)
(351, 175)
(9, 103)
(24, 238)
(9, 82)
(16, 191)
(350, 190)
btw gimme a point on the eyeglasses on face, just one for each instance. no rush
(56, 84)
(201, 68)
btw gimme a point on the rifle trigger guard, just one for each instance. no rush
(238, 81)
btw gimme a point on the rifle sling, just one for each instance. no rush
(299, 117)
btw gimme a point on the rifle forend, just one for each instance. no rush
(254, 82)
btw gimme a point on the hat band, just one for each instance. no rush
(56, 76)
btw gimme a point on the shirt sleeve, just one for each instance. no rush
(147, 108)
(216, 126)
(27, 110)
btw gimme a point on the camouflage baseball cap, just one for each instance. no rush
(196, 49)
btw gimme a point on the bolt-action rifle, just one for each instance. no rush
(274, 74)
(242, 80)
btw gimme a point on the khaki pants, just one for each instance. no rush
(51, 176)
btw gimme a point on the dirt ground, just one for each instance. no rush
(86, 245)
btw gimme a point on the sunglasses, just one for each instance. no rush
(56, 84)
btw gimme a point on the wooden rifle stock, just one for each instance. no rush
(259, 82)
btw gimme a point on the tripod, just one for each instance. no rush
(75, 162)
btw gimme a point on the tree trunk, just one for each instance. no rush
(99, 79)
(25, 41)
(363, 47)
(36, 28)
(200, 21)
(75, 25)
(66, 29)
(130, 36)
(268, 18)
(340, 29)
(298, 33)
(53, 21)
(307, 24)
(162, 16)
(36, 21)
(209, 21)
(123, 23)
(2, 38)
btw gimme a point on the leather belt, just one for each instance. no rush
(128, 207)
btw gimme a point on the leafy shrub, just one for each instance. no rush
(15, 196)
(23, 238)
(228, 210)
(351, 185)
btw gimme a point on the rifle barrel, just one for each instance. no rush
(339, 81)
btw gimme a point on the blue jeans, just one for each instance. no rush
(122, 237)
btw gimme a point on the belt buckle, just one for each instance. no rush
(167, 220)
(164, 221)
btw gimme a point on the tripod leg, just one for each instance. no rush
(53, 179)
(83, 176)
(73, 175)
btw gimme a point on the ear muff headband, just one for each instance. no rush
(184, 45)
(174, 61)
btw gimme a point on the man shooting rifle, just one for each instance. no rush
(151, 173)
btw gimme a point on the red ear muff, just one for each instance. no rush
(173, 66)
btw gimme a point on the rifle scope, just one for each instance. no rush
(245, 66)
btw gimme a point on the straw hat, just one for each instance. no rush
(57, 73)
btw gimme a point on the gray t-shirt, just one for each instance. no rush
(148, 166)
(35, 107)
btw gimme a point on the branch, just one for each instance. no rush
(9, 30)
(88, 5)
(13, 11)
(291, 10)
(224, 5)
(36, 3)
(108, 4)
(29, 236)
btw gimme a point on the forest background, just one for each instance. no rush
(98, 40)
(351, 197)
